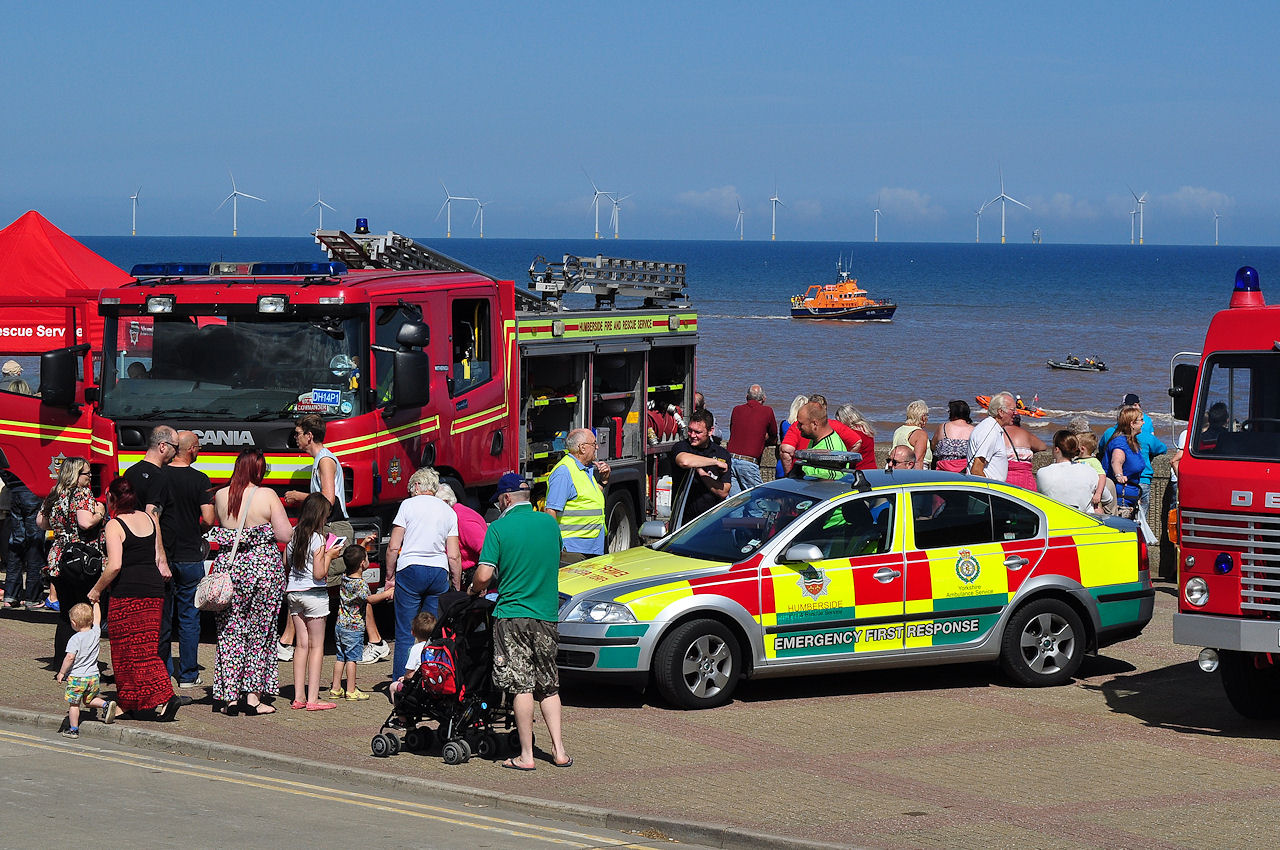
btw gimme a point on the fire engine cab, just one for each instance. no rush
(412, 358)
(1228, 531)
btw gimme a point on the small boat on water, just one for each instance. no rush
(1078, 364)
(1019, 406)
(843, 299)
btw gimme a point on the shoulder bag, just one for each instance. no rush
(215, 590)
(81, 562)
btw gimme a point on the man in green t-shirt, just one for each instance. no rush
(524, 546)
(813, 425)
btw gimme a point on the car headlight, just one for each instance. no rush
(600, 612)
(1196, 592)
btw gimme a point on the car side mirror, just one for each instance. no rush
(653, 529)
(411, 385)
(1183, 390)
(802, 553)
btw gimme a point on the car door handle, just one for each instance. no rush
(1015, 562)
(884, 575)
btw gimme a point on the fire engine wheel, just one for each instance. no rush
(620, 522)
(455, 752)
(1253, 691)
(698, 665)
(1043, 644)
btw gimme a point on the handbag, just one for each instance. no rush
(81, 562)
(215, 590)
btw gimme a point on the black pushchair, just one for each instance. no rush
(453, 687)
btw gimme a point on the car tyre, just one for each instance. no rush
(1252, 691)
(1043, 644)
(620, 523)
(698, 665)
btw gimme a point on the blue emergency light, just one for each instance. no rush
(170, 270)
(1247, 280)
(306, 269)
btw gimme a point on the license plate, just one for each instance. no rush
(330, 397)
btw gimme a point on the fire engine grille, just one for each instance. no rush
(1254, 540)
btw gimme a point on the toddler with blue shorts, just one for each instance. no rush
(349, 627)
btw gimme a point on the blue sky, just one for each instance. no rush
(689, 107)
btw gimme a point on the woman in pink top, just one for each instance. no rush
(471, 531)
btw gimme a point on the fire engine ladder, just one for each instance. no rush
(658, 283)
(392, 251)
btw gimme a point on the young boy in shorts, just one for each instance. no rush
(80, 668)
(349, 627)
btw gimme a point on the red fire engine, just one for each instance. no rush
(413, 359)
(1229, 500)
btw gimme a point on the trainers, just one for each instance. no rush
(109, 712)
(197, 683)
(73, 732)
(337, 693)
(355, 694)
(375, 652)
(284, 652)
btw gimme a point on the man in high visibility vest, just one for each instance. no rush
(575, 497)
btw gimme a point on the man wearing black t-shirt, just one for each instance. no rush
(191, 494)
(152, 489)
(708, 463)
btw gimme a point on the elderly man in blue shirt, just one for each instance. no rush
(575, 497)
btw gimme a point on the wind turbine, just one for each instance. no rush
(1142, 202)
(1133, 219)
(877, 212)
(777, 202)
(617, 204)
(234, 198)
(595, 201)
(1003, 198)
(738, 226)
(479, 215)
(1216, 215)
(447, 208)
(977, 226)
(134, 199)
(323, 206)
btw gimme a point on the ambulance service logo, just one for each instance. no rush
(967, 567)
(814, 582)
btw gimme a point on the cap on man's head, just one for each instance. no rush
(11, 367)
(510, 482)
(1131, 398)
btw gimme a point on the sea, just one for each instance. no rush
(972, 319)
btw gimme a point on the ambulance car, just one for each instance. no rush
(878, 569)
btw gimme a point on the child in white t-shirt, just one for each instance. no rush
(423, 625)
(80, 668)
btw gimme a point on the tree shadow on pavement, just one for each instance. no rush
(1182, 698)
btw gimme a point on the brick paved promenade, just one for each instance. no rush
(1143, 751)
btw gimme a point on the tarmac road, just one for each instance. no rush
(1141, 751)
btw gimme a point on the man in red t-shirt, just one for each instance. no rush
(794, 441)
(752, 426)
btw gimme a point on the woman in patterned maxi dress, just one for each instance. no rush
(247, 668)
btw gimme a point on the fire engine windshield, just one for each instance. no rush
(1238, 416)
(235, 364)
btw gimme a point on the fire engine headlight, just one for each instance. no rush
(160, 303)
(272, 303)
(1196, 592)
(600, 612)
(1208, 660)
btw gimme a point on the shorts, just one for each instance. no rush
(82, 690)
(309, 603)
(524, 656)
(350, 643)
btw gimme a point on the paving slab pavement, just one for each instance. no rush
(1142, 750)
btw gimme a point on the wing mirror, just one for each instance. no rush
(653, 529)
(802, 553)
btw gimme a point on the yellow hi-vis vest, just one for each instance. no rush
(583, 515)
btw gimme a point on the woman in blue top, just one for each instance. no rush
(1124, 458)
(785, 426)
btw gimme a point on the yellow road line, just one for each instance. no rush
(324, 793)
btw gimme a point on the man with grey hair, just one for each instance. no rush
(990, 447)
(575, 497)
(423, 556)
(752, 426)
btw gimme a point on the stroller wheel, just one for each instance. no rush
(513, 741)
(487, 747)
(382, 747)
(417, 739)
(456, 752)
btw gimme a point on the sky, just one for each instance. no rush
(688, 109)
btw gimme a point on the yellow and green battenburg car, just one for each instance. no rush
(882, 569)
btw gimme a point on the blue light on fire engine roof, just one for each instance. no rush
(1247, 280)
(296, 269)
(170, 270)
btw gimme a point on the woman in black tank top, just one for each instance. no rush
(133, 579)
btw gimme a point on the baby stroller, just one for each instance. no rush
(453, 687)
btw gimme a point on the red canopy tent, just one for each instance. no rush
(38, 262)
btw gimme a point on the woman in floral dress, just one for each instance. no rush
(71, 513)
(246, 668)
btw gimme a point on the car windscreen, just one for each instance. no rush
(1238, 415)
(738, 527)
